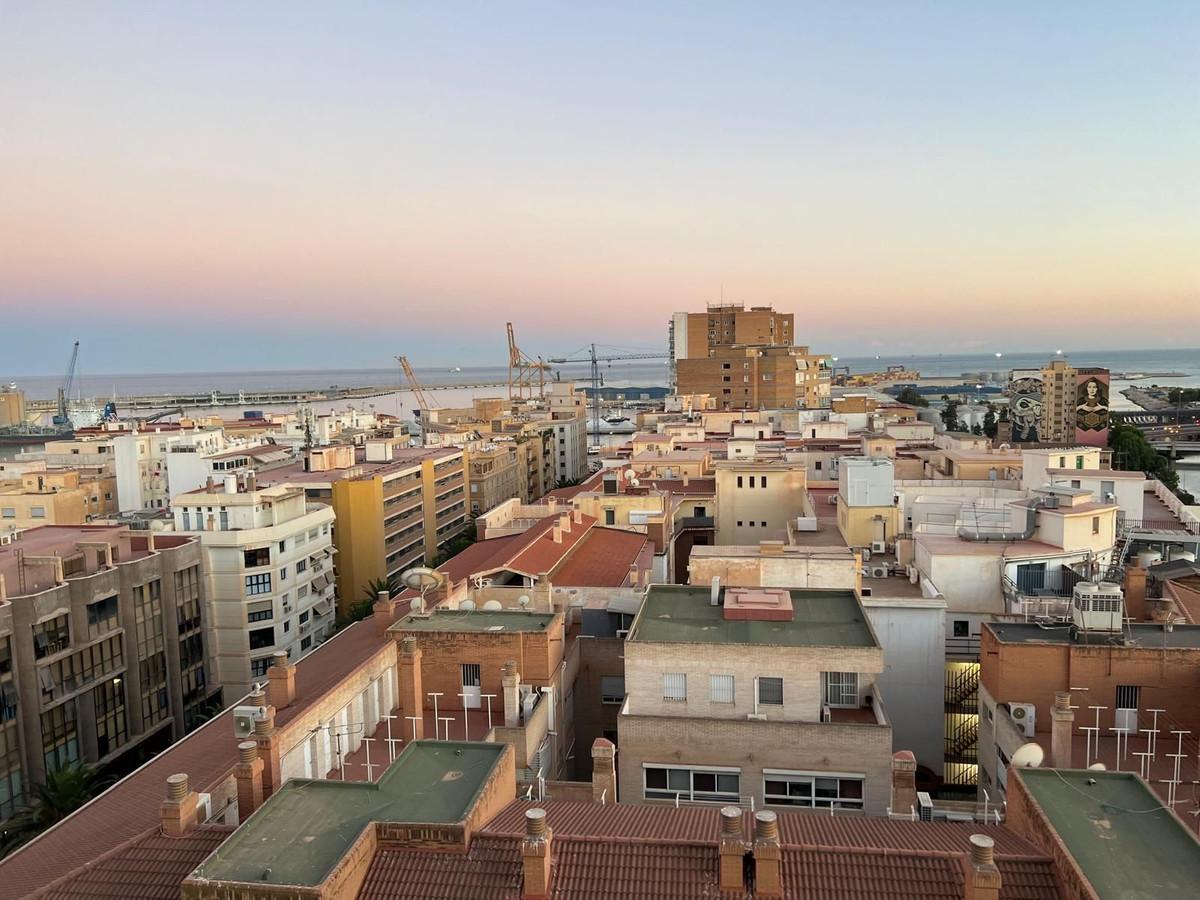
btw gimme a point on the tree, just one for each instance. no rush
(989, 420)
(65, 790)
(950, 414)
(977, 430)
(1133, 453)
(908, 395)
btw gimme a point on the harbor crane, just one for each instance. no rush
(418, 391)
(524, 371)
(63, 416)
(597, 380)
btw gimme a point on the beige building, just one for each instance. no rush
(758, 377)
(42, 496)
(867, 512)
(731, 698)
(694, 335)
(102, 649)
(756, 499)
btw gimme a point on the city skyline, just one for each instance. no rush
(320, 188)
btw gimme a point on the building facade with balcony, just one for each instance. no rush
(268, 565)
(732, 697)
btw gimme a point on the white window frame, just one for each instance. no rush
(692, 795)
(837, 689)
(811, 778)
(674, 687)
(721, 689)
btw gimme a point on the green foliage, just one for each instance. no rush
(908, 395)
(950, 414)
(1183, 395)
(977, 430)
(989, 421)
(1133, 453)
(455, 546)
(64, 791)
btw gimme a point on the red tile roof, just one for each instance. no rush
(149, 867)
(539, 552)
(602, 559)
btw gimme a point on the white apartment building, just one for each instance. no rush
(268, 562)
(143, 480)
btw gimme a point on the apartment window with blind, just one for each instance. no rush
(770, 691)
(612, 689)
(710, 785)
(675, 686)
(720, 688)
(841, 689)
(817, 790)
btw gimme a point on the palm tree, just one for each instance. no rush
(377, 586)
(64, 791)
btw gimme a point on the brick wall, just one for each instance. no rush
(598, 657)
(1025, 818)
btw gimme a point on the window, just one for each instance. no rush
(762, 524)
(713, 785)
(817, 466)
(1079, 462)
(304, 617)
(1062, 462)
(770, 691)
(305, 643)
(258, 584)
(720, 688)
(260, 612)
(1095, 524)
(763, 481)
(841, 689)
(102, 616)
(1127, 696)
(699, 512)
(751, 481)
(287, 626)
(60, 739)
(962, 628)
(812, 789)
(258, 667)
(37, 512)
(51, 636)
(283, 546)
(675, 686)
(612, 689)
(610, 517)
(262, 637)
(258, 556)
(739, 481)
(1108, 490)
(10, 512)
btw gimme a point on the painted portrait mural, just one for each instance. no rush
(1091, 407)
(1025, 404)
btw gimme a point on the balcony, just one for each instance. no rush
(869, 713)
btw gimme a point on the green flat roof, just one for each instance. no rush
(301, 832)
(477, 620)
(682, 614)
(1123, 839)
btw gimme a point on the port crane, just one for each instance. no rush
(418, 391)
(63, 417)
(597, 380)
(524, 371)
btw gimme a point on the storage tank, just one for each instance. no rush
(1179, 553)
(1147, 558)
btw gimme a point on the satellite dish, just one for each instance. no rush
(493, 605)
(421, 578)
(417, 605)
(1028, 756)
(523, 601)
(467, 605)
(628, 476)
(1098, 767)
(634, 482)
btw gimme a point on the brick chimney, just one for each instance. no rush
(535, 856)
(982, 880)
(178, 813)
(510, 682)
(904, 782)
(564, 521)
(556, 533)
(604, 771)
(768, 874)
(411, 696)
(1062, 719)
(577, 516)
(281, 681)
(383, 612)
(268, 744)
(732, 849)
(1135, 593)
(249, 776)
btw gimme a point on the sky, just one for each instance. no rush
(229, 185)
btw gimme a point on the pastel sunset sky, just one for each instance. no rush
(255, 185)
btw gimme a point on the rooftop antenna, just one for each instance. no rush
(422, 579)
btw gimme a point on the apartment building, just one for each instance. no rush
(55, 496)
(757, 498)
(140, 459)
(395, 506)
(731, 694)
(695, 335)
(779, 377)
(268, 565)
(497, 473)
(103, 657)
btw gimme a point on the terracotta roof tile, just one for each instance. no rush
(602, 559)
(540, 553)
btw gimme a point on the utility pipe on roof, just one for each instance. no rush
(987, 537)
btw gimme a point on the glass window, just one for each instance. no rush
(51, 636)
(612, 689)
(257, 556)
(258, 584)
(720, 688)
(813, 790)
(283, 574)
(37, 512)
(841, 689)
(676, 782)
(262, 611)
(262, 637)
(258, 667)
(770, 691)
(674, 686)
(301, 565)
(102, 616)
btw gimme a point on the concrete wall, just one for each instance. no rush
(823, 569)
(970, 582)
(783, 498)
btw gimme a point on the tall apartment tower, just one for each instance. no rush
(1074, 404)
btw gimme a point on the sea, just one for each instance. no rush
(630, 374)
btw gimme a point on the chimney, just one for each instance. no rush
(633, 574)
(535, 856)
(383, 612)
(149, 541)
(982, 877)
(604, 771)
(904, 782)
(178, 812)
(714, 592)
(268, 745)
(577, 516)
(1135, 593)
(511, 683)
(556, 532)
(768, 876)
(564, 521)
(231, 484)
(684, 474)
(251, 481)
(249, 776)
(209, 484)
(411, 696)
(281, 681)
(732, 849)
(1062, 718)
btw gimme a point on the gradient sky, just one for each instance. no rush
(229, 185)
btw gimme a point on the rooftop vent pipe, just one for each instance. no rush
(1036, 503)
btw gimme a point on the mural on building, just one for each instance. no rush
(1091, 407)
(1025, 404)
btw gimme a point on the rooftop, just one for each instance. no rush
(683, 614)
(1147, 636)
(1121, 836)
(603, 559)
(477, 620)
(306, 827)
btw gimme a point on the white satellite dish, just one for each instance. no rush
(523, 601)
(628, 476)
(493, 605)
(417, 605)
(1028, 756)
(467, 605)
(420, 578)
(634, 482)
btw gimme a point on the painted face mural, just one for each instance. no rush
(1091, 409)
(1025, 407)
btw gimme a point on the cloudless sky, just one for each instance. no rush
(229, 185)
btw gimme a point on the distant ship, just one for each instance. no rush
(456, 369)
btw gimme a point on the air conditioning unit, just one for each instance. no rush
(879, 546)
(1025, 715)
(866, 554)
(924, 806)
(879, 571)
(244, 718)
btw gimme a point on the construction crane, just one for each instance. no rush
(418, 392)
(524, 371)
(63, 417)
(597, 380)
